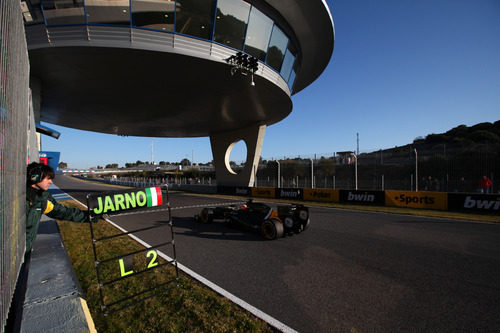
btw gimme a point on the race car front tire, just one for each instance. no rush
(306, 225)
(272, 229)
(302, 226)
(303, 214)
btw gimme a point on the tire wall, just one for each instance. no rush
(14, 122)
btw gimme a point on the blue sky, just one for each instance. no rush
(400, 69)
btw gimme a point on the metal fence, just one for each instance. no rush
(14, 111)
(438, 169)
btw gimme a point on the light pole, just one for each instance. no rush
(355, 169)
(279, 175)
(416, 170)
(152, 152)
(312, 173)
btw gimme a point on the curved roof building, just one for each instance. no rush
(159, 68)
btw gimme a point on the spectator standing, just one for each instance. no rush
(461, 185)
(484, 185)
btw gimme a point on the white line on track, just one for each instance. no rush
(250, 308)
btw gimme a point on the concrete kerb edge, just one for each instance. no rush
(88, 316)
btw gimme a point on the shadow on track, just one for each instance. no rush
(187, 226)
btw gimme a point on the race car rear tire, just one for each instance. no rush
(272, 229)
(289, 222)
(206, 216)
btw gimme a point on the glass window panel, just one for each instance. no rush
(231, 22)
(258, 34)
(287, 66)
(295, 66)
(194, 17)
(153, 14)
(32, 12)
(108, 11)
(63, 11)
(277, 48)
(291, 80)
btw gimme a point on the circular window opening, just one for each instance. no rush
(236, 157)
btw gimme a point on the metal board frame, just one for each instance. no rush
(125, 261)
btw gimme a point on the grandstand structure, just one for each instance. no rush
(164, 68)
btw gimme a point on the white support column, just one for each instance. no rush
(222, 143)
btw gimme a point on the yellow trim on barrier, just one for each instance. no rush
(407, 199)
(88, 317)
(264, 192)
(327, 195)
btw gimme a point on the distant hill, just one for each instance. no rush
(456, 141)
(455, 159)
(463, 136)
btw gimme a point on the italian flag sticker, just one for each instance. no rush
(153, 195)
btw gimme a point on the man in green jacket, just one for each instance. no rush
(39, 201)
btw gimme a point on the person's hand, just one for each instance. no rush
(94, 218)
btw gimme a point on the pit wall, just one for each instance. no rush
(465, 202)
(14, 150)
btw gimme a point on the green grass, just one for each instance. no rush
(186, 307)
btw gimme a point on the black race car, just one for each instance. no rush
(271, 223)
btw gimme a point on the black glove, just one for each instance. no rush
(94, 218)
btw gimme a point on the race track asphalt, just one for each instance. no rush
(351, 271)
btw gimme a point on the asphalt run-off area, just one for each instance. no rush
(351, 271)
